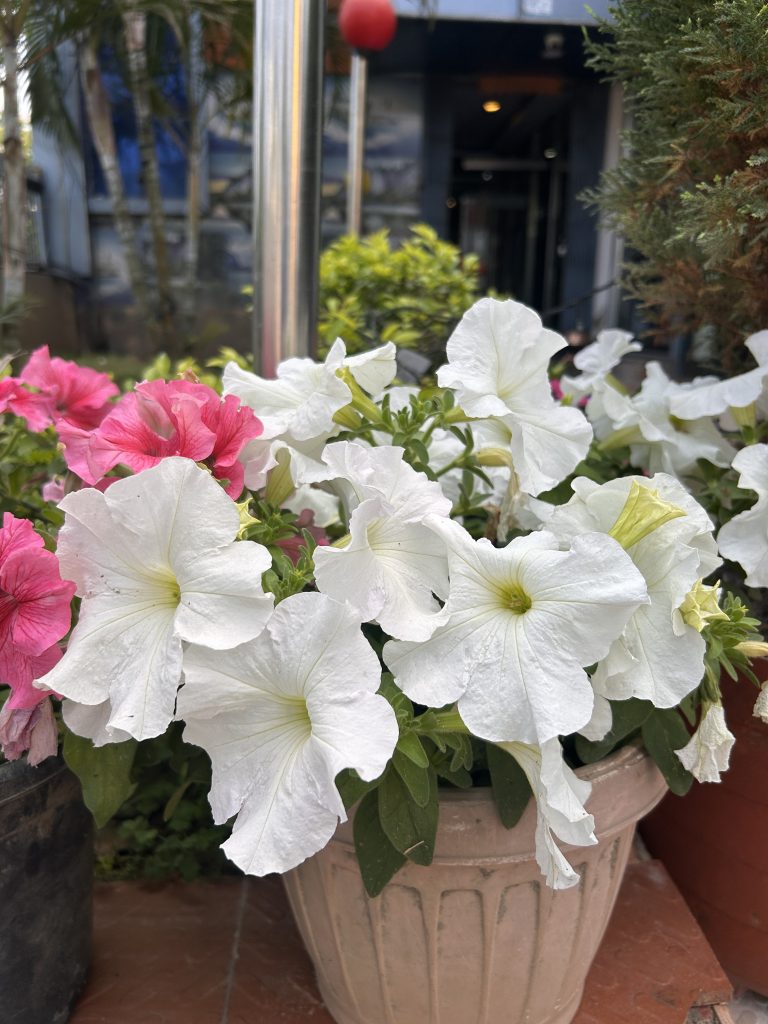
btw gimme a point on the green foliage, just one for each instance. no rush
(27, 462)
(664, 732)
(723, 637)
(628, 718)
(413, 295)
(379, 860)
(104, 773)
(510, 786)
(691, 194)
(164, 829)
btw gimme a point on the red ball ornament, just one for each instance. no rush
(367, 24)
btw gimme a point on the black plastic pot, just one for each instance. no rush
(46, 885)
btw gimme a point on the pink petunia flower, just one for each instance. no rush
(33, 406)
(64, 391)
(28, 729)
(160, 419)
(34, 610)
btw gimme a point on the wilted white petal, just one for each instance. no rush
(375, 369)
(280, 717)
(300, 402)
(711, 397)
(666, 444)
(760, 709)
(709, 750)
(153, 561)
(745, 538)
(560, 797)
(521, 622)
(597, 360)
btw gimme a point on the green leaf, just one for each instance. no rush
(410, 828)
(104, 773)
(628, 715)
(509, 785)
(415, 777)
(410, 745)
(664, 732)
(460, 778)
(378, 859)
(351, 787)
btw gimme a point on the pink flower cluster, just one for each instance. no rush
(159, 419)
(34, 616)
(49, 391)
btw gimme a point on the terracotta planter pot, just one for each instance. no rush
(713, 841)
(477, 938)
(46, 871)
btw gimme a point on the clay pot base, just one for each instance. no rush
(477, 937)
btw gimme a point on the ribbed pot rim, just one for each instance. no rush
(620, 760)
(626, 786)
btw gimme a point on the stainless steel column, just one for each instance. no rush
(287, 141)
(356, 154)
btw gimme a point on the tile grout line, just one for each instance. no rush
(235, 951)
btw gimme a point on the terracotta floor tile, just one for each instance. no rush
(274, 978)
(161, 953)
(654, 963)
(164, 955)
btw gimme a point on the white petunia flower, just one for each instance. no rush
(155, 563)
(497, 362)
(280, 717)
(560, 797)
(521, 622)
(745, 538)
(708, 396)
(300, 404)
(658, 657)
(709, 750)
(393, 564)
(302, 460)
(601, 722)
(91, 721)
(596, 361)
(663, 442)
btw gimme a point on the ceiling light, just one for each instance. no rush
(491, 106)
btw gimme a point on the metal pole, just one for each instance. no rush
(358, 83)
(287, 149)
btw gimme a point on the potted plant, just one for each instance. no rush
(368, 600)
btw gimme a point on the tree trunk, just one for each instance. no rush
(135, 28)
(14, 177)
(194, 155)
(99, 116)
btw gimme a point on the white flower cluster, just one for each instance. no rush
(174, 622)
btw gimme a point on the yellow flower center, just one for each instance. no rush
(514, 598)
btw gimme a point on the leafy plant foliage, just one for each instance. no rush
(691, 194)
(413, 295)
